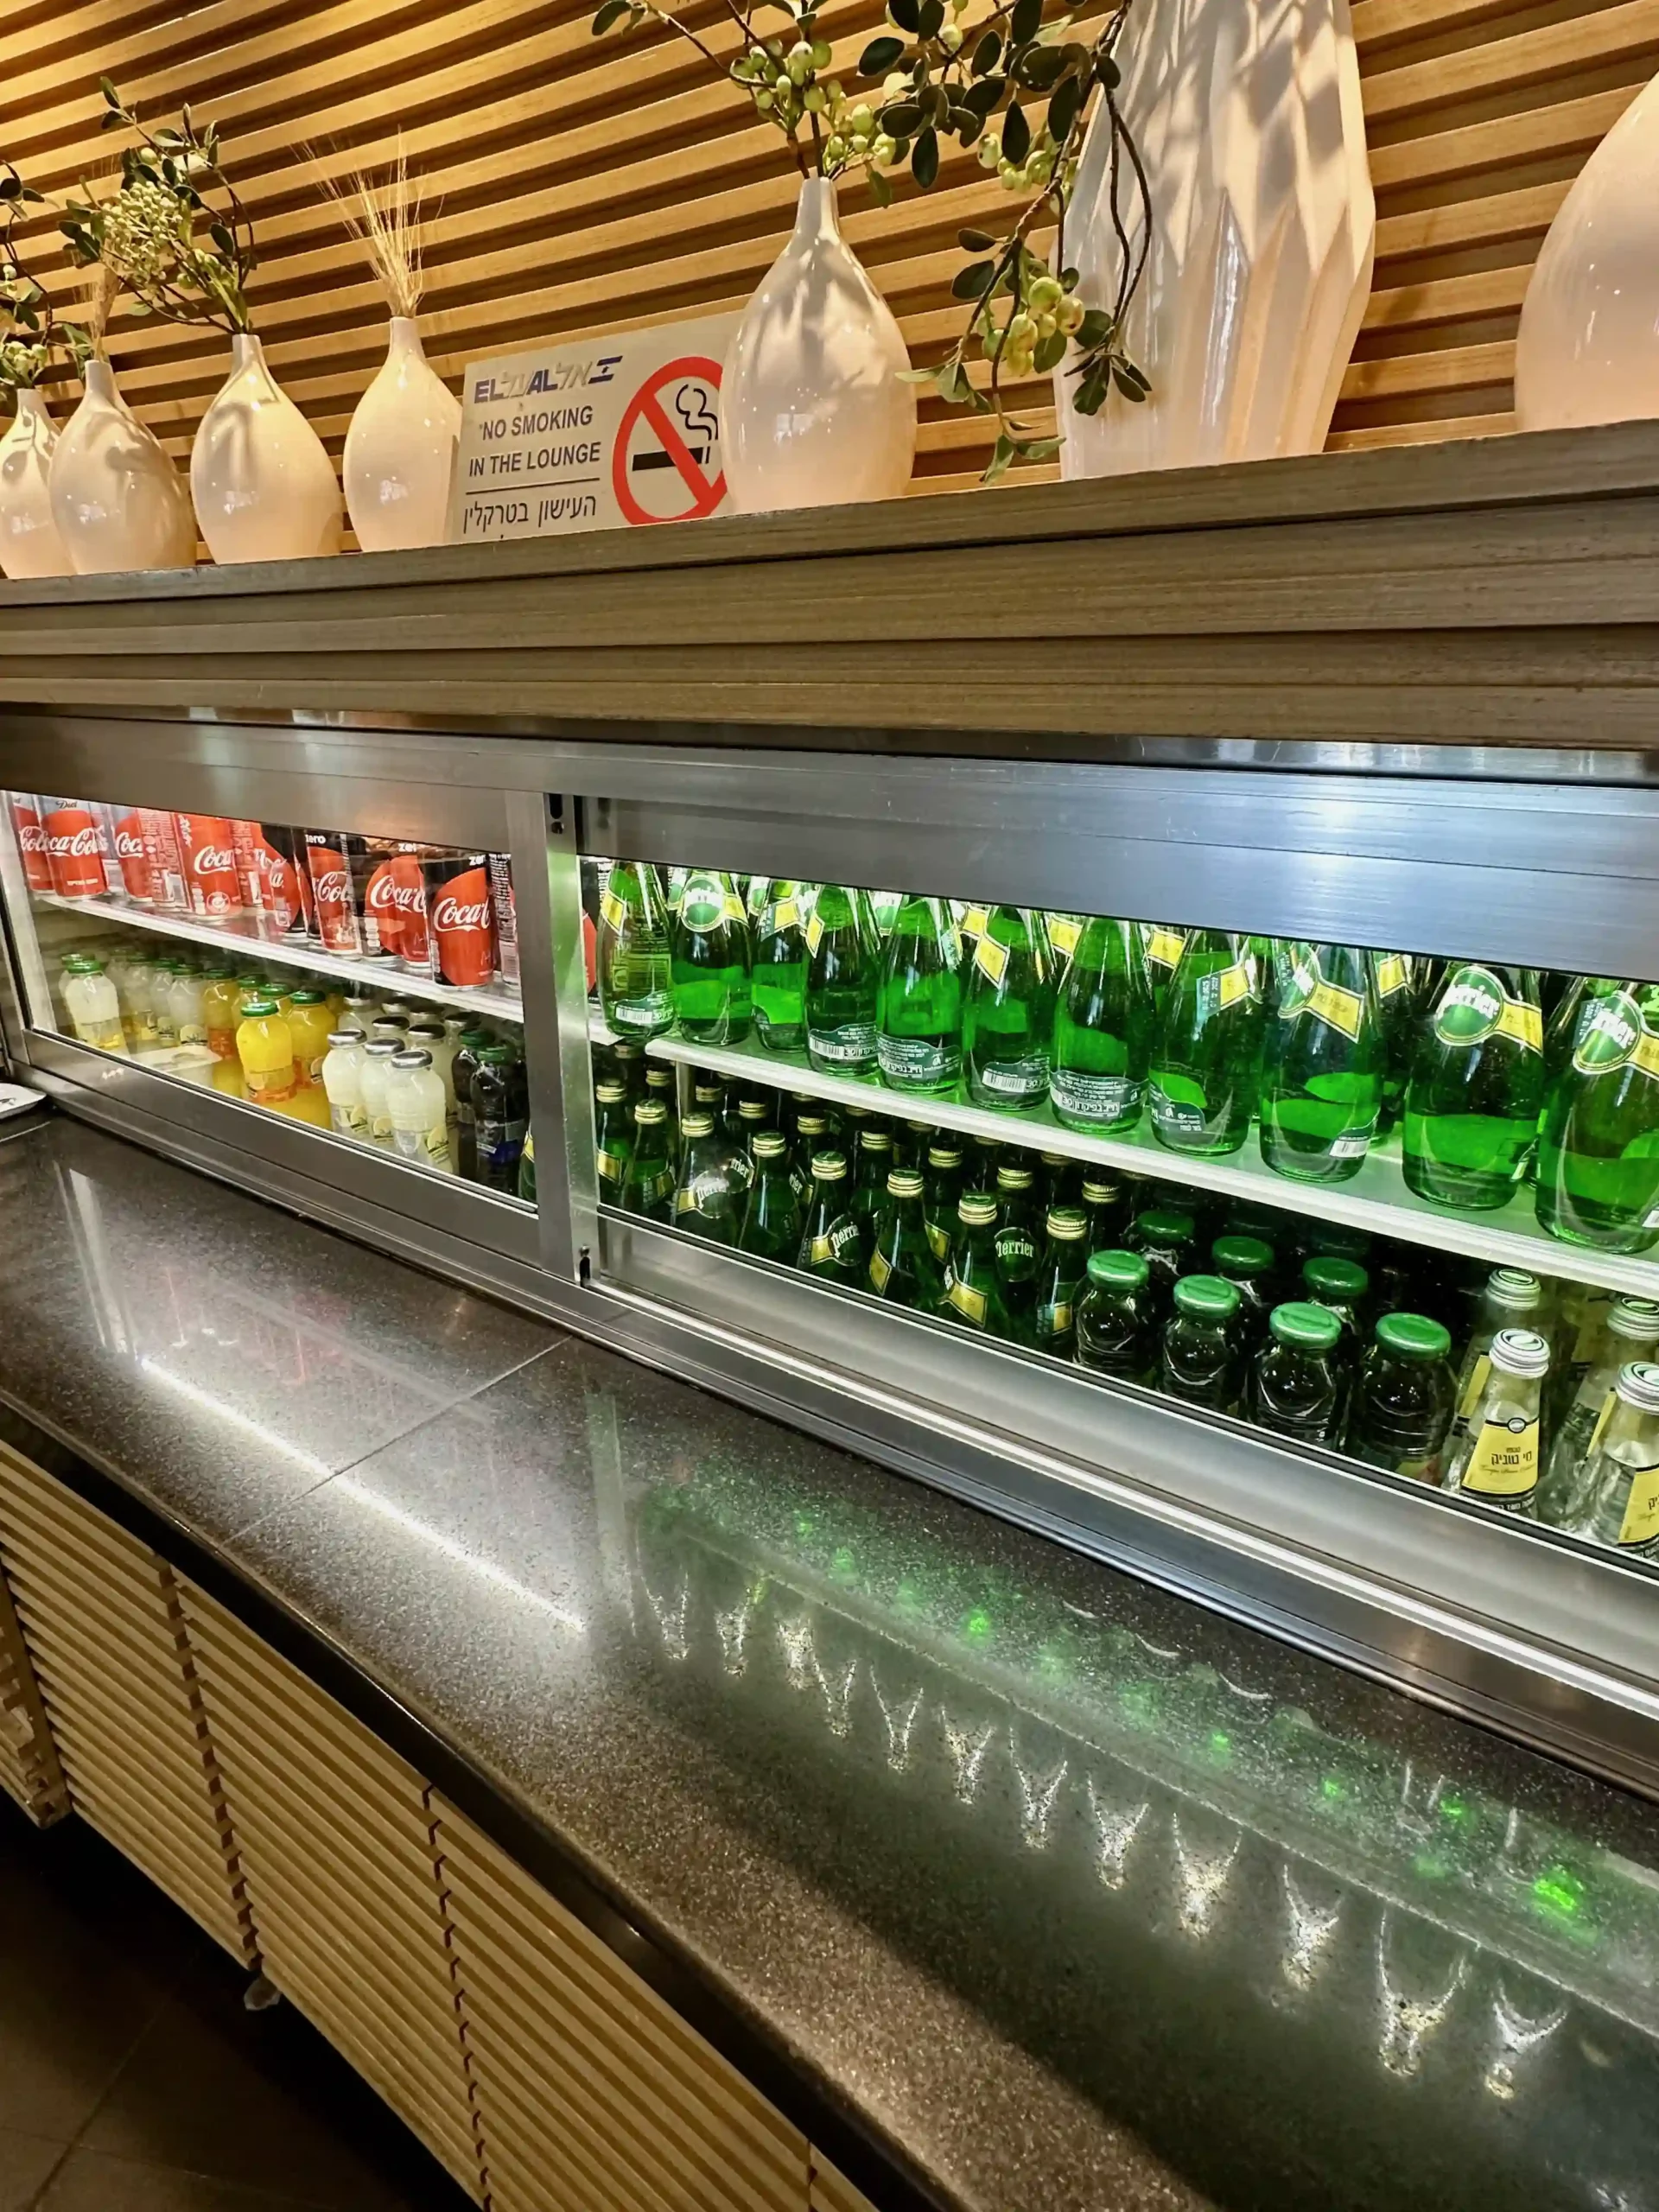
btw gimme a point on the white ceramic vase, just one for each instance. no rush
(400, 450)
(29, 543)
(117, 498)
(813, 408)
(1248, 119)
(1588, 348)
(265, 488)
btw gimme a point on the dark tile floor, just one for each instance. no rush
(132, 2078)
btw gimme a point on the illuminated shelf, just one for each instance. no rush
(1377, 1199)
(375, 974)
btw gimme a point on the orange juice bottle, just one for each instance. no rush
(265, 1047)
(310, 1023)
(220, 1011)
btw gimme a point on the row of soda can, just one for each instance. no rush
(427, 909)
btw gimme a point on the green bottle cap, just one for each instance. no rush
(1165, 1225)
(1328, 1277)
(494, 1055)
(258, 1009)
(1242, 1257)
(1413, 1336)
(904, 1183)
(697, 1125)
(1118, 1270)
(1208, 1298)
(1638, 1385)
(306, 998)
(829, 1166)
(1067, 1222)
(976, 1209)
(769, 1145)
(82, 964)
(220, 972)
(475, 1041)
(1304, 1327)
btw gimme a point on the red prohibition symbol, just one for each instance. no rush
(704, 492)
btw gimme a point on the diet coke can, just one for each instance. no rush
(329, 865)
(124, 834)
(506, 917)
(74, 849)
(161, 836)
(207, 845)
(31, 840)
(461, 920)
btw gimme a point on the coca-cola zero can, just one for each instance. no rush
(461, 920)
(329, 864)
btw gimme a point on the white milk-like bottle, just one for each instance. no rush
(377, 1056)
(342, 1081)
(184, 1003)
(415, 1101)
(90, 1000)
(137, 994)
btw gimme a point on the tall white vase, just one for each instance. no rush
(813, 408)
(265, 488)
(1248, 119)
(117, 498)
(1588, 348)
(400, 450)
(29, 543)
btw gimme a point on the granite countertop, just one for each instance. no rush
(1083, 1898)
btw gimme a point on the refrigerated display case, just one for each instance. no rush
(1103, 970)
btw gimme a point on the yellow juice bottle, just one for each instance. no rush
(310, 1024)
(265, 1047)
(221, 1012)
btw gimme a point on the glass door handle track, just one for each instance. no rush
(1376, 1198)
(295, 953)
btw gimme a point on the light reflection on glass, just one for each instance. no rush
(1036, 1798)
(969, 1751)
(837, 1697)
(799, 1658)
(732, 1629)
(1117, 1827)
(1409, 2017)
(1311, 1927)
(1203, 1874)
(672, 1620)
(901, 1720)
(1517, 2033)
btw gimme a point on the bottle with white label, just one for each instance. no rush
(184, 1004)
(1512, 1300)
(342, 1083)
(416, 1108)
(90, 1000)
(377, 1056)
(1565, 1496)
(1499, 1459)
(1624, 1469)
(1322, 1069)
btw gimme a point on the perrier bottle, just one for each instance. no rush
(843, 983)
(771, 1227)
(633, 953)
(918, 1043)
(1476, 1088)
(1203, 1062)
(833, 1242)
(1323, 1067)
(777, 977)
(1598, 1144)
(1008, 1020)
(903, 1268)
(973, 1287)
(1103, 1018)
(710, 960)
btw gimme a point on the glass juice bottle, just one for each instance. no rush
(94, 1009)
(1203, 1081)
(1199, 1361)
(1404, 1401)
(711, 959)
(310, 1024)
(377, 1056)
(843, 983)
(415, 1106)
(1632, 1337)
(266, 1051)
(1166, 1236)
(1476, 1088)
(1117, 1329)
(342, 1083)
(1499, 1457)
(1297, 1384)
(1247, 1262)
(918, 1041)
(1512, 1299)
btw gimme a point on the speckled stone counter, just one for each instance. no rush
(1070, 1893)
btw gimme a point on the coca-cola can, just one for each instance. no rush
(461, 920)
(285, 906)
(506, 917)
(392, 902)
(208, 846)
(31, 840)
(125, 833)
(379, 921)
(75, 846)
(161, 836)
(329, 865)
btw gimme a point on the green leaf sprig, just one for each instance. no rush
(30, 331)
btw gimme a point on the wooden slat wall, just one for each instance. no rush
(581, 185)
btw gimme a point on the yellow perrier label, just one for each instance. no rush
(968, 1301)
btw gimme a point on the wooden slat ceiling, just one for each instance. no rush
(582, 185)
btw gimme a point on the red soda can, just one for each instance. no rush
(207, 845)
(408, 888)
(245, 840)
(329, 865)
(461, 920)
(377, 917)
(31, 840)
(161, 836)
(285, 905)
(124, 832)
(74, 850)
(393, 903)
(506, 917)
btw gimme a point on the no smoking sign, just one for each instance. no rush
(665, 465)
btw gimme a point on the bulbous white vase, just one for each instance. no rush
(1588, 346)
(400, 450)
(117, 498)
(264, 489)
(29, 545)
(813, 408)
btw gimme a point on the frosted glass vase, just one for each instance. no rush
(400, 450)
(117, 498)
(1588, 346)
(265, 488)
(29, 543)
(1262, 233)
(813, 408)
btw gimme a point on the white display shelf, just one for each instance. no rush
(385, 977)
(1377, 1199)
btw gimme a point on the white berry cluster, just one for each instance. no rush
(144, 232)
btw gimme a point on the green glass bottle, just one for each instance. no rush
(1323, 1068)
(1341, 1287)
(942, 1186)
(872, 1162)
(777, 975)
(814, 1133)
(1166, 1236)
(1203, 1062)
(843, 983)
(918, 1041)
(772, 1212)
(661, 1086)
(833, 1242)
(612, 1140)
(633, 953)
(905, 1270)
(648, 1182)
(1248, 1263)
(1019, 1247)
(1061, 1273)
(1106, 1202)
(973, 1289)
(1597, 1180)
(1116, 1328)
(1476, 1088)
(754, 1116)
(1568, 1022)
(527, 1169)
(1297, 1384)
(713, 1185)
(1008, 1020)
(1103, 1018)
(1201, 1359)
(711, 961)
(1405, 1399)
(1163, 946)
(1395, 978)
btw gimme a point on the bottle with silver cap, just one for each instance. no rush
(1623, 1474)
(1499, 1458)
(1631, 1334)
(1513, 1298)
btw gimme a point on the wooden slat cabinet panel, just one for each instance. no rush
(29, 1771)
(101, 1621)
